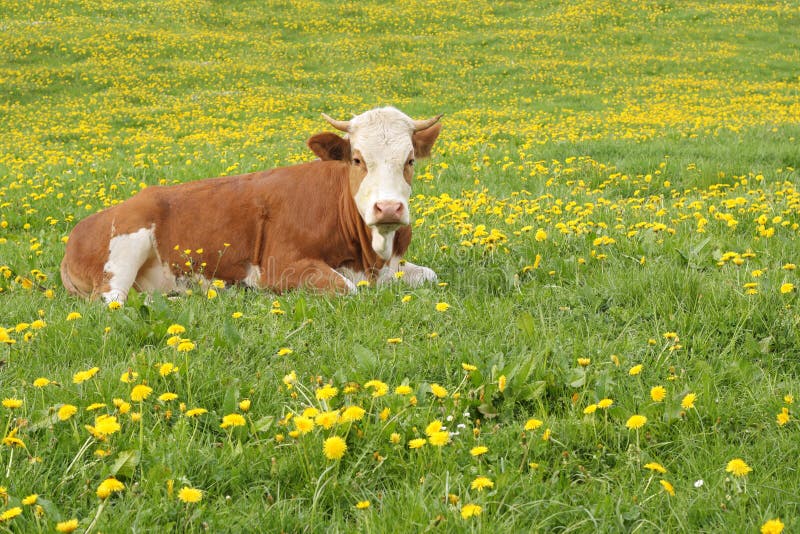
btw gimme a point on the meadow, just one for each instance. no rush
(612, 209)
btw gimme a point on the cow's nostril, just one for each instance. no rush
(389, 211)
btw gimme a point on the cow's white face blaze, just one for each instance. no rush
(382, 151)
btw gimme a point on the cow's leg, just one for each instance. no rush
(413, 275)
(126, 255)
(312, 274)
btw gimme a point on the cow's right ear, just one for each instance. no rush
(330, 147)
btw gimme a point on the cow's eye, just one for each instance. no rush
(356, 161)
(411, 162)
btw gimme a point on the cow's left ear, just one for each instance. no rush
(330, 147)
(424, 139)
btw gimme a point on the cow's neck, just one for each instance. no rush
(361, 237)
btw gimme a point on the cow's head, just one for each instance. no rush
(380, 146)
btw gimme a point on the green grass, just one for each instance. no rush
(633, 122)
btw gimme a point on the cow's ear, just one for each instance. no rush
(423, 140)
(329, 147)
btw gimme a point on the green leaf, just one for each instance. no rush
(526, 324)
(125, 464)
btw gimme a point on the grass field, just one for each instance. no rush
(612, 209)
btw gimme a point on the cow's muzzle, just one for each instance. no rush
(389, 212)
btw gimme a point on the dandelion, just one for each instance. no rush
(185, 345)
(439, 439)
(470, 510)
(237, 315)
(481, 483)
(167, 397)
(41, 382)
(244, 405)
(104, 425)
(394, 340)
(636, 422)
(352, 413)
(9, 514)
(190, 495)
(327, 419)
(478, 450)
(66, 411)
(284, 351)
(326, 392)
(403, 389)
(95, 406)
(38, 324)
(635, 370)
(604, 403)
(380, 388)
(584, 362)
(406, 299)
(83, 376)
(783, 417)
(73, 316)
(129, 376)
(737, 467)
(773, 526)
(417, 443)
(438, 391)
(658, 393)
(442, 306)
(30, 499)
(533, 424)
(232, 420)
(109, 486)
(590, 409)
(114, 305)
(688, 401)
(140, 392)
(67, 526)
(394, 438)
(788, 398)
(12, 403)
(211, 294)
(655, 466)
(501, 383)
(540, 235)
(787, 287)
(468, 367)
(667, 487)
(334, 448)
(362, 505)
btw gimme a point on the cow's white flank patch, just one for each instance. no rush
(351, 287)
(126, 255)
(413, 275)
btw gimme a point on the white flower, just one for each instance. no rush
(698, 483)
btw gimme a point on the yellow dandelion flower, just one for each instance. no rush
(284, 351)
(590, 409)
(738, 467)
(438, 391)
(468, 367)
(604, 403)
(655, 466)
(114, 305)
(788, 398)
(41, 382)
(783, 417)
(394, 340)
(244, 405)
(352, 413)
(380, 388)
(362, 505)
(533, 424)
(688, 401)
(787, 287)
(326, 392)
(501, 383)
(95, 406)
(405, 299)
(12, 403)
(190, 495)
(38, 324)
(73, 316)
(773, 526)
(667, 487)
(303, 424)
(68, 526)
(442, 306)
(109, 486)
(327, 419)
(9, 514)
(403, 389)
(481, 483)
(471, 510)
(384, 415)
(30, 499)
(635, 370)
(417, 443)
(636, 422)
(439, 439)
(211, 294)
(129, 376)
(194, 412)
(83, 376)
(66, 411)
(433, 427)
(334, 448)
(173, 341)
(237, 315)
(584, 362)
(478, 450)
(232, 420)
(140, 392)
(658, 393)
(186, 345)
(166, 397)
(394, 439)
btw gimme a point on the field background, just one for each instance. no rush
(615, 181)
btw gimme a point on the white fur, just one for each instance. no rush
(126, 255)
(253, 277)
(413, 275)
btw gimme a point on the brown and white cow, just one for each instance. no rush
(325, 225)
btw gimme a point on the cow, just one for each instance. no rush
(324, 225)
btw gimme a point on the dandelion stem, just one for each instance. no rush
(10, 459)
(96, 517)
(82, 450)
